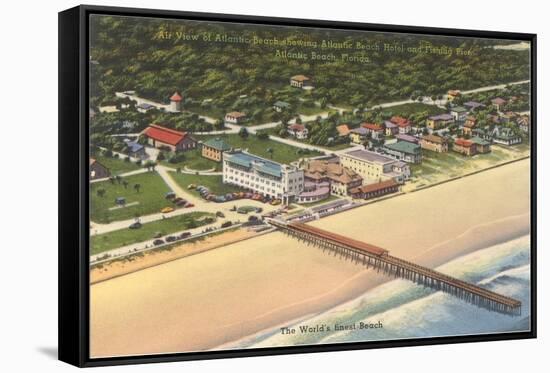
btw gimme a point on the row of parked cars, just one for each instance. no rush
(207, 195)
(177, 202)
(172, 238)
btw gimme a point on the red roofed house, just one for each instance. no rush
(175, 102)
(161, 137)
(376, 130)
(403, 124)
(464, 146)
(97, 170)
(300, 81)
(298, 130)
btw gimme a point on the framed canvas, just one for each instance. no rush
(235, 186)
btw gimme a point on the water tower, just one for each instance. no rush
(175, 102)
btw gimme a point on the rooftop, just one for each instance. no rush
(479, 141)
(176, 97)
(163, 134)
(342, 129)
(404, 147)
(360, 131)
(282, 104)
(369, 156)
(463, 142)
(235, 114)
(300, 78)
(435, 139)
(249, 161)
(441, 117)
(217, 143)
(459, 109)
(375, 187)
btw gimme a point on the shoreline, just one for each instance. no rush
(290, 280)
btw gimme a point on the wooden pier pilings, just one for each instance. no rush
(379, 259)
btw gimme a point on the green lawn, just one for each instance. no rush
(195, 161)
(213, 183)
(127, 236)
(150, 198)
(117, 166)
(412, 108)
(282, 153)
(273, 132)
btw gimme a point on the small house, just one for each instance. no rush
(498, 103)
(482, 146)
(436, 122)
(162, 137)
(463, 146)
(343, 130)
(300, 81)
(459, 113)
(280, 106)
(214, 148)
(358, 135)
(235, 117)
(144, 107)
(298, 130)
(404, 151)
(434, 143)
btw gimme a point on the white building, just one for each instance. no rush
(374, 167)
(262, 176)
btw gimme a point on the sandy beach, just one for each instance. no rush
(203, 301)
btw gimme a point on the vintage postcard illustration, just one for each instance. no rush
(265, 186)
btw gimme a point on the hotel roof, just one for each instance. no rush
(249, 161)
(369, 156)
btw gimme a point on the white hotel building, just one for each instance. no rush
(262, 176)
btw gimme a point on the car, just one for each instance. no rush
(220, 214)
(158, 242)
(170, 238)
(184, 235)
(226, 224)
(259, 210)
(170, 195)
(188, 205)
(276, 202)
(191, 186)
(181, 203)
(135, 225)
(167, 210)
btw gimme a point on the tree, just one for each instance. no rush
(161, 156)
(262, 135)
(125, 184)
(243, 133)
(137, 187)
(270, 151)
(150, 165)
(100, 192)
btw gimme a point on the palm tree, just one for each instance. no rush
(125, 184)
(270, 151)
(137, 187)
(100, 192)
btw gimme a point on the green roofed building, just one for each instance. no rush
(404, 151)
(482, 146)
(213, 149)
(280, 106)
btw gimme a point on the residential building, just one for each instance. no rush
(343, 130)
(372, 166)
(434, 143)
(505, 136)
(375, 190)
(300, 81)
(144, 107)
(162, 137)
(498, 103)
(473, 105)
(280, 106)
(97, 170)
(403, 123)
(358, 135)
(459, 113)
(408, 138)
(235, 117)
(469, 125)
(214, 148)
(485, 135)
(436, 122)
(262, 176)
(452, 94)
(175, 102)
(392, 129)
(524, 123)
(298, 130)
(376, 131)
(135, 149)
(507, 117)
(339, 178)
(463, 146)
(404, 151)
(482, 146)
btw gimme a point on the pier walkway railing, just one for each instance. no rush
(380, 260)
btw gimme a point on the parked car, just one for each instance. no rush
(191, 186)
(158, 242)
(220, 214)
(135, 225)
(167, 210)
(185, 235)
(188, 205)
(181, 203)
(276, 202)
(226, 224)
(170, 195)
(259, 210)
(170, 239)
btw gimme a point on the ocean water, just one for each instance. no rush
(406, 310)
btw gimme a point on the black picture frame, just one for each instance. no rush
(74, 180)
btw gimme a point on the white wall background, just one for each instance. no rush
(28, 197)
